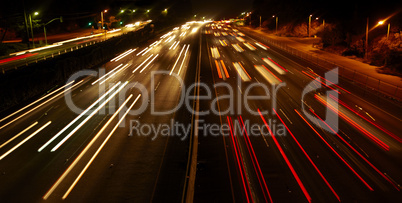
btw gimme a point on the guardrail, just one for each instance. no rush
(28, 61)
(375, 84)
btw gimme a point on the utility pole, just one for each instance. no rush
(367, 29)
(260, 23)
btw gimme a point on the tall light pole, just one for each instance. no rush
(309, 25)
(260, 22)
(276, 24)
(105, 11)
(367, 29)
(389, 25)
(30, 22)
(26, 22)
(323, 24)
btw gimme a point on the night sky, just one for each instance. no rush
(216, 9)
(221, 8)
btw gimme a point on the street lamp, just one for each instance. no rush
(381, 23)
(102, 12)
(148, 11)
(122, 11)
(44, 26)
(30, 21)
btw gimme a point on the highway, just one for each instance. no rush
(313, 137)
(53, 145)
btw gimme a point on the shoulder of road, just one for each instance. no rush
(306, 46)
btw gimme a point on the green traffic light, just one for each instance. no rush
(121, 22)
(89, 23)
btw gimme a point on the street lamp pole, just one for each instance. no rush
(276, 26)
(389, 25)
(30, 22)
(26, 22)
(309, 25)
(102, 22)
(260, 22)
(367, 29)
(44, 26)
(323, 24)
(102, 12)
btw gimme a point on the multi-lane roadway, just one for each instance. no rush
(270, 127)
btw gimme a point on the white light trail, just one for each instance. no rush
(177, 60)
(147, 51)
(149, 63)
(99, 149)
(215, 52)
(172, 45)
(142, 63)
(107, 74)
(142, 51)
(124, 55)
(36, 101)
(41, 104)
(26, 139)
(176, 45)
(185, 54)
(120, 55)
(22, 132)
(84, 151)
(89, 117)
(78, 117)
(122, 68)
